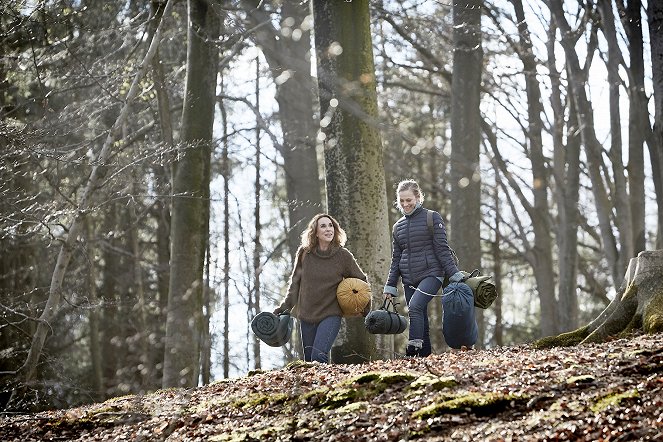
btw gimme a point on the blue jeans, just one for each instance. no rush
(317, 338)
(417, 302)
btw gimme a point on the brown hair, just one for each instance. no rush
(309, 238)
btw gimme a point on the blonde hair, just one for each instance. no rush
(412, 185)
(310, 240)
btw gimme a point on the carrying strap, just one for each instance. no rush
(385, 306)
(389, 302)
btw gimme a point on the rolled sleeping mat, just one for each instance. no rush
(459, 326)
(385, 322)
(484, 292)
(273, 330)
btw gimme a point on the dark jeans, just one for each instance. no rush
(317, 339)
(417, 301)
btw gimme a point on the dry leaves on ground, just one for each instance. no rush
(607, 392)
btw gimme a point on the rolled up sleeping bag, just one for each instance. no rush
(271, 329)
(353, 295)
(459, 326)
(384, 321)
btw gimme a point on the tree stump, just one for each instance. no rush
(637, 306)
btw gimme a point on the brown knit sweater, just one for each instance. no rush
(312, 287)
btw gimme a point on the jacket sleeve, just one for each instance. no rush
(293, 285)
(441, 246)
(394, 270)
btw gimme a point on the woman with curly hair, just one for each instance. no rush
(321, 263)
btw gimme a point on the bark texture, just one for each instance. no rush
(466, 133)
(637, 306)
(356, 193)
(287, 53)
(190, 189)
(655, 21)
(593, 147)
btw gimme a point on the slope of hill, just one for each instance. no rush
(608, 392)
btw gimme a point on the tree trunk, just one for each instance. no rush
(257, 247)
(497, 274)
(637, 306)
(287, 54)
(356, 193)
(97, 381)
(225, 174)
(655, 22)
(190, 187)
(539, 212)
(621, 195)
(638, 119)
(465, 214)
(566, 172)
(593, 148)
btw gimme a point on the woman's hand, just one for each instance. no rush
(388, 296)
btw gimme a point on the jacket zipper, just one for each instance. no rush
(409, 251)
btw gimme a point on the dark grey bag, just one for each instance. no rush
(384, 321)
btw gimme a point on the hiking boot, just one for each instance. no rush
(412, 351)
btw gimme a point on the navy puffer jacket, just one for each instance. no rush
(416, 254)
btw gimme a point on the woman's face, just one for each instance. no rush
(407, 200)
(325, 231)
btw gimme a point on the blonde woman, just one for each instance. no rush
(421, 257)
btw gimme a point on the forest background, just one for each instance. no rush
(160, 160)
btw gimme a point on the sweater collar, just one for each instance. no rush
(331, 251)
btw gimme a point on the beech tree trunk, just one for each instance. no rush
(356, 193)
(620, 196)
(639, 128)
(655, 22)
(593, 147)
(190, 191)
(466, 133)
(637, 306)
(287, 53)
(540, 255)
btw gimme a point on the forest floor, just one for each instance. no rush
(607, 392)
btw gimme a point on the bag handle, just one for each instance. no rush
(387, 302)
(473, 274)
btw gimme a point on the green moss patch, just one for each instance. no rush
(355, 407)
(255, 400)
(613, 399)
(379, 380)
(478, 403)
(653, 314)
(581, 379)
(338, 397)
(433, 382)
(568, 339)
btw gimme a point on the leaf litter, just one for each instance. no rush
(597, 392)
